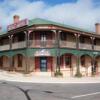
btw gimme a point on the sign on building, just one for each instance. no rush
(45, 27)
(17, 25)
(42, 52)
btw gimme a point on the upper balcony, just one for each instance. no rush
(96, 44)
(42, 39)
(19, 45)
(41, 44)
(47, 39)
(4, 47)
(18, 41)
(85, 46)
(68, 44)
(68, 40)
(4, 43)
(85, 42)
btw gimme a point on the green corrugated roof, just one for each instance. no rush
(38, 21)
(41, 21)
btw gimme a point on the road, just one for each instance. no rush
(33, 91)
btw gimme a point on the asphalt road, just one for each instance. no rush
(29, 91)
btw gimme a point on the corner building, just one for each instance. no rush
(41, 46)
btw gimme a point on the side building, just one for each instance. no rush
(44, 47)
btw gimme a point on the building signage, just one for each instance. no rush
(45, 27)
(95, 53)
(42, 52)
(17, 25)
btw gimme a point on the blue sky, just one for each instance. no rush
(79, 13)
(56, 1)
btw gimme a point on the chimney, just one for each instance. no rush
(16, 18)
(97, 28)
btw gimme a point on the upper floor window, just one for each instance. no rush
(63, 36)
(68, 60)
(94, 42)
(43, 37)
(82, 40)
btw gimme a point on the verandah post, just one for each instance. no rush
(78, 73)
(27, 34)
(58, 50)
(11, 59)
(57, 47)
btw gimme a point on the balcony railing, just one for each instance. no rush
(39, 43)
(85, 46)
(97, 47)
(5, 47)
(48, 44)
(18, 45)
(69, 44)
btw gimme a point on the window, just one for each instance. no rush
(31, 36)
(82, 40)
(68, 60)
(63, 36)
(20, 59)
(83, 61)
(43, 37)
(1, 61)
(13, 61)
(95, 42)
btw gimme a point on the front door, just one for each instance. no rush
(43, 64)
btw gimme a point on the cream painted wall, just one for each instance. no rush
(98, 65)
(16, 64)
(87, 68)
(32, 64)
(67, 72)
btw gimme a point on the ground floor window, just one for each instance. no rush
(68, 61)
(20, 59)
(83, 61)
(1, 61)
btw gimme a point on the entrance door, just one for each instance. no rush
(43, 64)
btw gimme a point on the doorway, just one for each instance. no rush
(43, 64)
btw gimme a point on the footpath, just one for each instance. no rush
(18, 77)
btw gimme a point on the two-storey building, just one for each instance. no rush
(43, 47)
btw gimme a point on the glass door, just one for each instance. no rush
(43, 64)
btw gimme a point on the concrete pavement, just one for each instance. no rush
(19, 77)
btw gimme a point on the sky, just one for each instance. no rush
(79, 13)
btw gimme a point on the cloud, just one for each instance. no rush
(82, 13)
